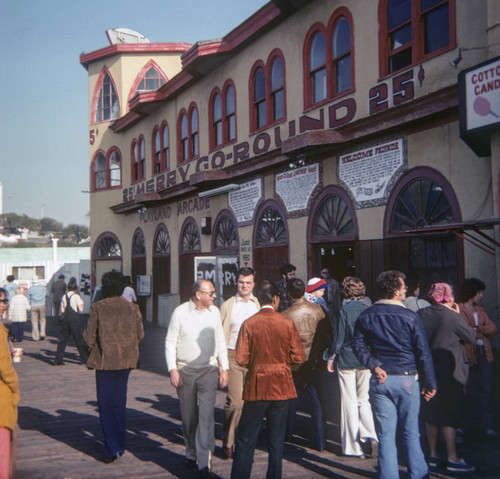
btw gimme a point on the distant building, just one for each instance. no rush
(47, 265)
(351, 135)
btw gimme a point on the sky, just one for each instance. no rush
(44, 150)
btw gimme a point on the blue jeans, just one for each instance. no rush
(479, 387)
(248, 433)
(317, 429)
(112, 402)
(397, 403)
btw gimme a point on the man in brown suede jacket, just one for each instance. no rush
(113, 334)
(268, 345)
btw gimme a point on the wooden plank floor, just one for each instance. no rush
(59, 435)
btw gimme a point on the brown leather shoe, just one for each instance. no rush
(228, 451)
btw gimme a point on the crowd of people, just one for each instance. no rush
(404, 364)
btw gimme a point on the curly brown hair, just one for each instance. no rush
(353, 288)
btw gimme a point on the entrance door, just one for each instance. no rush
(161, 266)
(338, 258)
(138, 269)
(268, 261)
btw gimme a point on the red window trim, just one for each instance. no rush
(266, 67)
(95, 97)
(139, 77)
(107, 169)
(190, 155)
(164, 125)
(327, 31)
(160, 130)
(417, 37)
(140, 177)
(156, 130)
(224, 116)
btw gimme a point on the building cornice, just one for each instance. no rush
(120, 48)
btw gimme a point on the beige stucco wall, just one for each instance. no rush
(437, 146)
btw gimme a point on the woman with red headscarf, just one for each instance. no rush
(447, 331)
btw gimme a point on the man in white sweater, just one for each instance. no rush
(196, 355)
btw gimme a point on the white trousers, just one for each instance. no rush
(356, 418)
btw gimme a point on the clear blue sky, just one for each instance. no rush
(43, 102)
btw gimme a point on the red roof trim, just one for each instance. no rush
(170, 47)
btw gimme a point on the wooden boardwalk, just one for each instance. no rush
(59, 435)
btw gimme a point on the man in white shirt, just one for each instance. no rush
(196, 356)
(234, 312)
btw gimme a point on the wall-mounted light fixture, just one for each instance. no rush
(142, 210)
(457, 60)
(299, 162)
(461, 50)
(220, 190)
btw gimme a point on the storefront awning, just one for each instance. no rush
(471, 231)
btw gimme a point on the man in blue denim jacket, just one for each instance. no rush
(390, 340)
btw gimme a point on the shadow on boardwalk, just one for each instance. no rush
(59, 434)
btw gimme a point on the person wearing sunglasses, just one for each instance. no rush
(196, 354)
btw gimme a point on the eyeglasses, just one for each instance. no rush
(4, 301)
(210, 293)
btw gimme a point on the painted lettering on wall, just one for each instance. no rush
(192, 205)
(156, 214)
(396, 91)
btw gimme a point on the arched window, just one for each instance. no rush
(225, 237)
(259, 98)
(277, 89)
(333, 217)
(106, 256)
(142, 158)
(150, 78)
(317, 67)
(165, 146)
(194, 133)
(106, 106)
(223, 116)
(162, 241)
(328, 59)
(100, 181)
(341, 58)
(188, 127)
(271, 228)
(267, 91)
(230, 112)
(138, 244)
(106, 170)
(217, 120)
(156, 150)
(414, 30)
(115, 168)
(138, 157)
(422, 202)
(108, 247)
(190, 241)
(161, 148)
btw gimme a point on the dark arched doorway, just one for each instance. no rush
(190, 247)
(138, 265)
(106, 256)
(161, 266)
(270, 241)
(332, 231)
(421, 199)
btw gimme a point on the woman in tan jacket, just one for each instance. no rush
(9, 399)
